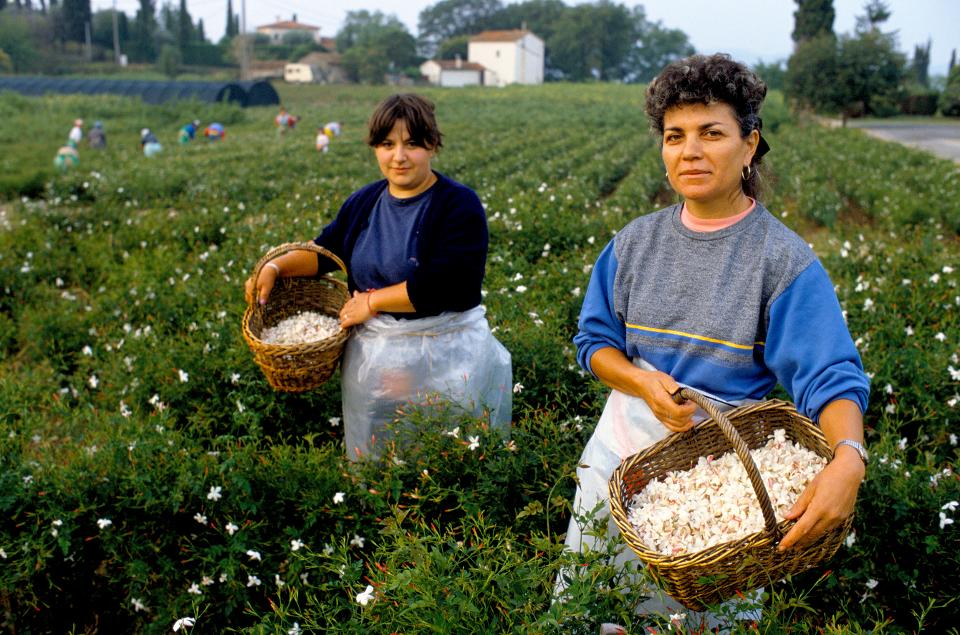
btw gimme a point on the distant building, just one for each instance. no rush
(510, 57)
(453, 73)
(278, 29)
(315, 68)
(265, 69)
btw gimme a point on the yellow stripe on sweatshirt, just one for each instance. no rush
(702, 338)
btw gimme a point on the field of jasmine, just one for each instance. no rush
(149, 474)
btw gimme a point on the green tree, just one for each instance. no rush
(920, 64)
(142, 45)
(654, 46)
(169, 61)
(232, 25)
(102, 30)
(184, 26)
(774, 74)
(950, 98)
(76, 15)
(875, 13)
(16, 41)
(812, 19)
(374, 45)
(811, 73)
(452, 47)
(449, 18)
(592, 41)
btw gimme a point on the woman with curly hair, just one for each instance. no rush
(717, 294)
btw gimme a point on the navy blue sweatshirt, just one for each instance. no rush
(451, 245)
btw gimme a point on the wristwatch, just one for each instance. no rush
(856, 445)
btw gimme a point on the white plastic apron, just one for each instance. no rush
(389, 363)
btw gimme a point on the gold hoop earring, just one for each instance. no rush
(745, 173)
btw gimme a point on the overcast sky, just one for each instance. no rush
(750, 30)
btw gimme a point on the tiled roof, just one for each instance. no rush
(289, 25)
(451, 65)
(511, 35)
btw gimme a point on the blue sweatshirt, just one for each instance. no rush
(451, 245)
(730, 312)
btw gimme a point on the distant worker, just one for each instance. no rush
(214, 132)
(149, 142)
(76, 133)
(323, 140)
(332, 129)
(67, 157)
(284, 121)
(189, 131)
(97, 137)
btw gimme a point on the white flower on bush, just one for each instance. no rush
(338, 498)
(93, 381)
(517, 388)
(235, 378)
(334, 421)
(214, 493)
(871, 584)
(195, 589)
(902, 443)
(103, 523)
(184, 376)
(231, 528)
(253, 580)
(954, 373)
(138, 604)
(295, 545)
(850, 539)
(200, 518)
(940, 337)
(474, 443)
(951, 506)
(206, 580)
(277, 581)
(184, 623)
(253, 555)
(357, 541)
(3, 554)
(364, 597)
(295, 630)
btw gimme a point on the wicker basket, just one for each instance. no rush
(712, 575)
(296, 367)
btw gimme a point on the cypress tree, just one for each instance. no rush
(812, 19)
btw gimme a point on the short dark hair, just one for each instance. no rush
(415, 111)
(707, 79)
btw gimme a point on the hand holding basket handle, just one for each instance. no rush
(298, 262)
(743, 452)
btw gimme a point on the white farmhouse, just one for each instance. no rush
(453, 73)
(278, 29)
(510, 57)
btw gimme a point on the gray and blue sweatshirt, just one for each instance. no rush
(730, 312)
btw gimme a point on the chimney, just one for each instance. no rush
(459, 62)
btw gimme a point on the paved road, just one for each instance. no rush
(942, 140)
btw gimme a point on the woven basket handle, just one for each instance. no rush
(279, 250)
(743, 452)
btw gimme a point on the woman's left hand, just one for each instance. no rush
(826, 502)
(357, 310)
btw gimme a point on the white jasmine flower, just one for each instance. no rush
(902, 443)
(678, 617)
(357, 541)
(909, 331)
(295, 545)
(327, 549)
(951, 506)
(206, 580)
(935, 278)
(338, 498)
(277, 581)
(364, 598)
(231, 528)
(521, 288)
(214, 493)
(850, 539)
(240, 407)
(295, 630)
(195, 589)
(868, 304)
(184, 623)
(953, 439)
(954, 373)
(184, 376)
(235, 378)
(253, 580)
(517, 388)
(474, 442)
(947, 269)
(103, 523)
(253, 555)
(200, 518)
(940, 337)
(3, 554)
(455, 433)
(944, 521)
(138, 604)
(334, 421)
(871, 583)
(87, 351)
(93, 381)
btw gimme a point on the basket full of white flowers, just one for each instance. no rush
(706, 529)
(295, 338)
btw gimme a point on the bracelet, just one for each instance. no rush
(275, 267)
(370, 308)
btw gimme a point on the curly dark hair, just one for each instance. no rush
(706, 79)
(415, 111)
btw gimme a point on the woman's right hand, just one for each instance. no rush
(264, 283)
(657, 389)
